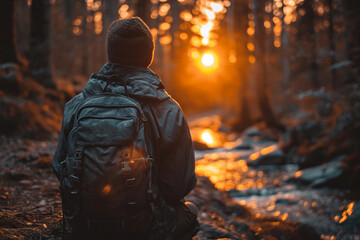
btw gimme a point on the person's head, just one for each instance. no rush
(129, 42)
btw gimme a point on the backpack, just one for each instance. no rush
(106, 179)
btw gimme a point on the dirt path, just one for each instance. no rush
(30, 205)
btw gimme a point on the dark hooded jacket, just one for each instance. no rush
(170, 135)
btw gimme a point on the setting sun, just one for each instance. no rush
(208, 59)
(207, 62)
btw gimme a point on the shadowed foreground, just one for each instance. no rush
(31, 206)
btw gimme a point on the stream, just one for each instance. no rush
(253, 170)
(268, 190)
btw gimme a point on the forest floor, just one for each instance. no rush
(236, 199)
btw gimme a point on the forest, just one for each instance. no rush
(270, 90)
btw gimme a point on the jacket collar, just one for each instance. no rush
(122, 70)
(140, 82)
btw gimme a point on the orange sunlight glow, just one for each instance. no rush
(205, 29)
(284, 216)
(298, 174)
(207, 137)
(208, 59)
(207, 62)
(254, 156)
(217, 7)
(186, 16)
(252, 59)
(268, 150)
(106, 189)
(205, 41)
(346, 213)
(262, 152)
(205, 19)
(224, 174)
(232, 56)
(210, 14)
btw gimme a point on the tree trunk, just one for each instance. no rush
(262, 74)
(285, 54)
(69, 6)
(352, 37)
(310, 37)
(39, 51)
(85, 44)
(8, 49)
(143, 10)
(332, 44)
(241, 12)
(110, 13)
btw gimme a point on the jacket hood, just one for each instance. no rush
(140, 82)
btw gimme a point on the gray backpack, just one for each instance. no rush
(106, 179)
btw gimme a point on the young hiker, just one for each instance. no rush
(125, 158)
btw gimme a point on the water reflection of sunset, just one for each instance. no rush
(226, 171)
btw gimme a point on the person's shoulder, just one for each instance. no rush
(72, 105)
(170, 112)
(75, 101)
(170, 104)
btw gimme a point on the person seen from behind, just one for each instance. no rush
(125, 159)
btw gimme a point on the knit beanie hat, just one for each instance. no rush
(130, 42)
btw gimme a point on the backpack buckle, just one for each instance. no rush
(125, 167)
(150, 160)
(78, 154)
(77, 165)
(151, 195)
(130, 182)
(75, 179)
(74, 191)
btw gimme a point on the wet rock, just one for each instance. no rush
(305, 132)
(353, 220)
(324, 175)
(213, 232)
(275, 157)
(239, 226)
(252, 132)
(200, 146)
(238, 210)
(308, 232)
(312, 154)
(346, 121)
(286, 201)
(286, 140)
(251, 192)
(355, 177)
(243, 146)
(338, 158)
(314, 143)
(274, 229)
